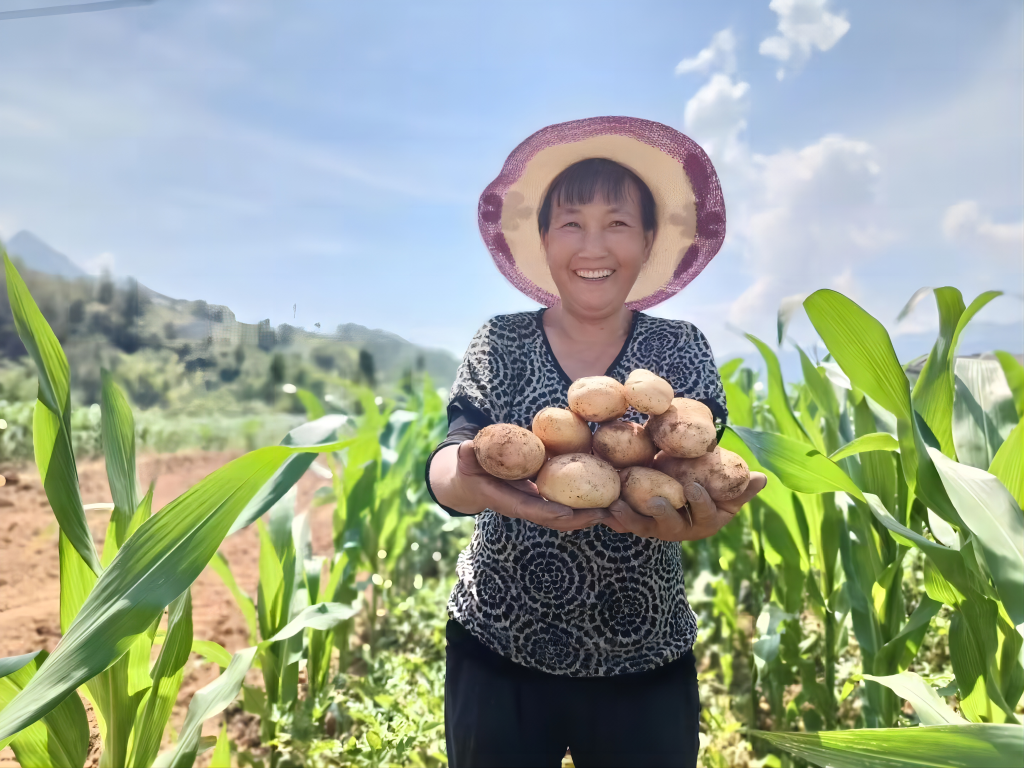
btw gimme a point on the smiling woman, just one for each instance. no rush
(571, 627)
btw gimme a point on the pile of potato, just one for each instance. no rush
(572, 466)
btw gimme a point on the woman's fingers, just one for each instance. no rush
(758, 480)
(631, 521)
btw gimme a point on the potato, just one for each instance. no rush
(579, 480)
(597, 398)
(722, 473)
(686, 430)
(508, 451)
(640, 485)
(562, 431)
(624, 444)
(648, 393)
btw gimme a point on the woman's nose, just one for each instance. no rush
(594, 244)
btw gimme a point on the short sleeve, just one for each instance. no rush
(487, 370)
(696, 376)
(479, 395)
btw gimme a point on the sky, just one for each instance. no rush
(319, 161)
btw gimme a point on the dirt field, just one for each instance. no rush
(29, 577)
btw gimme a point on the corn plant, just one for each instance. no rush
(112, 602)
(873, 466)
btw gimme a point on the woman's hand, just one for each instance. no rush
(660, 521)
(459, 482)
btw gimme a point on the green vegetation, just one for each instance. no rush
(865, 609)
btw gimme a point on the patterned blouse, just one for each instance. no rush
(580, 603)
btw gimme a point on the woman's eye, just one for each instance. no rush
(619, 224)
(571, 224)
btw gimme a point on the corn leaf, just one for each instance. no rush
(168, 672)
(219, 565)
(222, 750)
(778, 403)
(933, 390)
(995, 519)
(117, 429)
(216, 696)
(876, 441)
(61, 737)
(940, 746)
(948, 562)
(1014, 373)
(314, 408)
(1008, 464)
(863, 349)
(930, 709)
(155, 565)
(207, 702)
(313, 433)
(799, 467)
(51, 443)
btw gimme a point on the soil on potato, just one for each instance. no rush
(30, 577)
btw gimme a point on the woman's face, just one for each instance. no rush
(595, 252)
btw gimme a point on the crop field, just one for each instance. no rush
(271, 604)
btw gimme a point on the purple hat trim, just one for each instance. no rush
(707, 192)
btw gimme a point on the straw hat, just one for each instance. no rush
(687, 196)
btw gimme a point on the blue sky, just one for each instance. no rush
(329, 155)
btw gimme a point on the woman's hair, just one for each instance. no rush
(582, 181)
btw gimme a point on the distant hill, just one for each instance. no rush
(167, 350)
(41, 257)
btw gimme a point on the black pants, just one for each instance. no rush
(498, 713)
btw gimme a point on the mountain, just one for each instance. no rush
(41, 257)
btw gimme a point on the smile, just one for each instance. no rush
(594, 274)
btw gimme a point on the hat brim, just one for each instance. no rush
(688, 201)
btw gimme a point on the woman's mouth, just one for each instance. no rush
(593, 274)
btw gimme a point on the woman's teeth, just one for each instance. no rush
(593, 274)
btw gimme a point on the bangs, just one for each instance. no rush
(582, 182)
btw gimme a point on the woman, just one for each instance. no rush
(570, 628)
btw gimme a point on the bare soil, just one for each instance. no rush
(30, 579)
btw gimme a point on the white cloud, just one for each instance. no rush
(966, 224)
(715, 117)
(803, 25)
(719, 55)
(804, 223)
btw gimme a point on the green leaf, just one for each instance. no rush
(987, 383)
(819, 386)
(51, 443)
(975, 436)
(154, 566)
(207, 702)
(863, 349)
(117, 428)
(219, 565)
(995, 519)
(211, 651)
(876, 441)
(899, 652)
(1014, 373)
(933, 391)
(1008, 464)
(314, 408)
(799, 467)
(949, 562)
(778, 403)
(939, 746)
(61, 737)
(930, 709)
(216, 696)
(155, 710)
(321, 432)
(222, 750)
